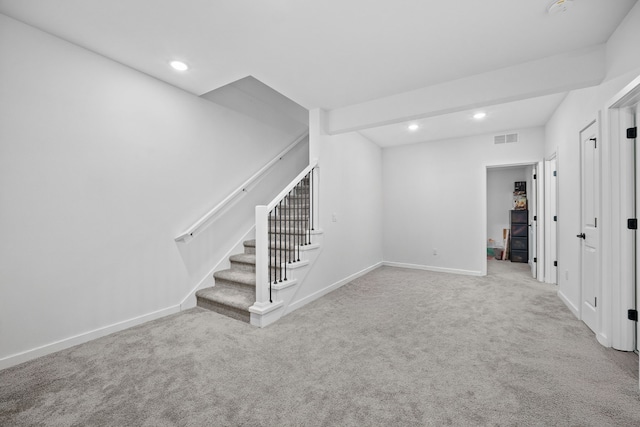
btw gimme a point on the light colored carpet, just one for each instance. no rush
(393, 348)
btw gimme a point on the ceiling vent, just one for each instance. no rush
(505, 139)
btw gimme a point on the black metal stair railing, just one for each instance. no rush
(291, 224)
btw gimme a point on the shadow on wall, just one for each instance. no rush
(209, 248)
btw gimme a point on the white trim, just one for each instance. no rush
(604, 340)
(295, 265)
(628, 96)
(246, 186)
(264, 314)
(309, 247)
(430, 268)
(550, 226)
(209, 276)
(63, 344)
(284, 285)
(575, 310)
(265, 308)
(314, 296)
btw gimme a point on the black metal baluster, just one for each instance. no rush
(307, 210)
(311, 200)
(289, 244)
(286, 220)
(298, 239)
(298, 211)
(280, 241)
(273, 254)
(275, 249)
(269, 243)
(303, 235)
(269, 236)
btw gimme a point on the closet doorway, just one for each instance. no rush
(514, 224)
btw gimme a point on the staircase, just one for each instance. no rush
(235, 289)
(289, 234)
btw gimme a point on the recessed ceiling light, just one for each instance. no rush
(479, 116)
(179, 65)
(559, 6)
(413, 127)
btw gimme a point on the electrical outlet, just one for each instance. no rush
(566, 275)
(334, 218)
(435, 251)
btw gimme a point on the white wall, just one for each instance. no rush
(435, 197)
(500, 185)
(622, 46)
(350, 180)
(101, 167)
(580, 108)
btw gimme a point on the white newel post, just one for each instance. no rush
(263, 312)
(262, 262)
(315, 206)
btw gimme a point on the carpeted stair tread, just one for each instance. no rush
(250, 259)
(235, 288)
(275, 244)
(238, 298)
(236, 276)
(243, 258)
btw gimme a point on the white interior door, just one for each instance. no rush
(637, 197)
(589, 236)
(540, 223)
(551, 214)
(637, 164)
(533, 220)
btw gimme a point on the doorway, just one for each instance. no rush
(621, 263)
(508, 185)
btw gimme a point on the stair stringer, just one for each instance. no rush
(283, 293)
(189, 301)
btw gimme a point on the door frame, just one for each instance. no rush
(540, 212)
(542, 222)
(551, 226)
(619, 261)
(532, 204)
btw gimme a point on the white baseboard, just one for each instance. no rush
(604, 340)
(16, 359)
(575, 310)
(430, 268)
(314, 296)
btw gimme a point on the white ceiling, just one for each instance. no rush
(324, 54)
(527, 113)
